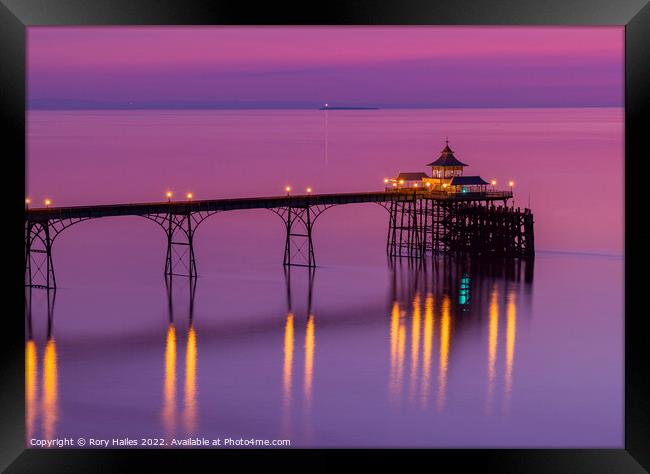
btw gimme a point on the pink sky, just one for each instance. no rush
(302, 66)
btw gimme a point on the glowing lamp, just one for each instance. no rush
(401, 181)
(494, 182)
(27, 200)
(385, 180)
(394, 185)
(47, 202)
(428, 185)
(288, 189)
(308, 190)
(189, 196)
(511, 183)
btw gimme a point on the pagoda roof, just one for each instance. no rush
(447, 158)
(411, 176)
(467, 181)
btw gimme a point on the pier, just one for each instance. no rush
(447, 212)
(420, 222)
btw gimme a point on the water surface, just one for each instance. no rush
(366, 352)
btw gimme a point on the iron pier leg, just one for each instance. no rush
(407, 236)
(299, 225)
(190, 241)
(311, 259)
(390, 228)
(51, 278)
(35, 277)
(391, 244)
(28, 255)
(170, 233)
(287, 245)
(180, 233)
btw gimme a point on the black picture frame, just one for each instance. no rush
(16, 15)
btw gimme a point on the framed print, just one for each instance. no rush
(273, 234)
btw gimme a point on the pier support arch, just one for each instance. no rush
(39, 241)
(179, 228)
(299, 224)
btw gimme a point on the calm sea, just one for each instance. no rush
(364, 352)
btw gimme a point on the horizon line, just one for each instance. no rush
(315, 107)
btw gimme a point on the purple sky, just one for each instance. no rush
(72, 67)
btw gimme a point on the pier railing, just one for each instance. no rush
(455, 195)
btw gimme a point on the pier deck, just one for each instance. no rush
(231, 204)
